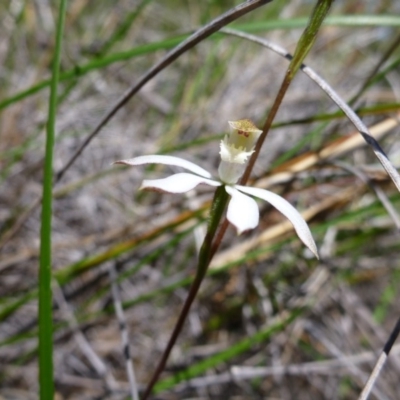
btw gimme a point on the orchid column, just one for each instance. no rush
(236, 148)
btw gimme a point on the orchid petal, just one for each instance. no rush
(242, 211)
(177, 183)
(166, 160)
(282, 205)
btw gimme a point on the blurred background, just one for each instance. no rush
(314, 327)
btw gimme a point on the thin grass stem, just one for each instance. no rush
(46, 379)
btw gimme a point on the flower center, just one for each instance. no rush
(236, 148)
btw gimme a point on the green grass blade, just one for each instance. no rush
(354, 20)
(80, 70)
(46, 380)
(308, 37)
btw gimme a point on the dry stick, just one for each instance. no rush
(81, 340)
(317, 367)
(187, 44)
(335, 351)
(124, 332)
(242, 373)
(380, 363)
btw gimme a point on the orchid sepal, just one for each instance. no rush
(177, 183)
(284, 207)
(166, 160)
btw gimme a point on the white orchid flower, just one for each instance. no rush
(242, 211)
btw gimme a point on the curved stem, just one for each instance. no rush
(217, 208)
(204, 32)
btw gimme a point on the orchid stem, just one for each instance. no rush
(217, 209)
(208, 249)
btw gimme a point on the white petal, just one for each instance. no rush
(167, 160)
(242, 211)
(178, 183)
(282, 205)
